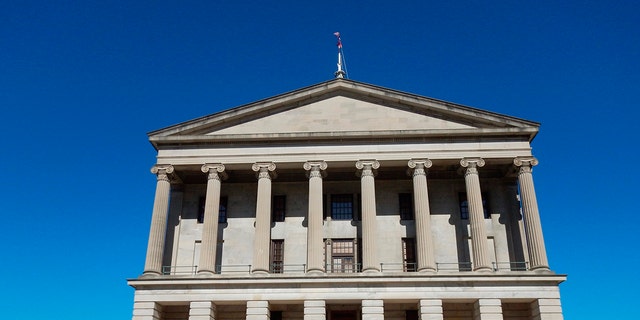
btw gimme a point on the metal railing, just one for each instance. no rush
(344, 268)
(399, 267)
(287, 268)
(453, 266)
(511, 266)
(179, 270)
(280, 268)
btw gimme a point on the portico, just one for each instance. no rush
(346, 200)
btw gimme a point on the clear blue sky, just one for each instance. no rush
(82, 82)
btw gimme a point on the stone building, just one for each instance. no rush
(345, 200)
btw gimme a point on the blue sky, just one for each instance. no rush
(82, 82)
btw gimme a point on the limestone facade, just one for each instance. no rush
(345, 200)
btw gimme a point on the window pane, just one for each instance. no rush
(278, 211)
(405, 201)
(409, 254)
(222, 215)
(342, 206)
(277, 256)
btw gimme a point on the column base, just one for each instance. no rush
(261, 273)
(371, 270)
(483, 269)
(150, 274)
(205, 274)
(541, 269)
(428, 270)
(315, 272)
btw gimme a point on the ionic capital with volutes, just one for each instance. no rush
(418, 167)
(315, 169)
(472, 165)
(214, 170)
(525, 164)
(367, 167)
(162, 171)
(265, 170)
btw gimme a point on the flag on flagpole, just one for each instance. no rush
(339, 44)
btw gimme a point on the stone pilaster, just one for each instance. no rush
(202, 310)
(258, 310)
(424, 239)
(535, 240)
(315, 310)
(372, 310)
(488, 309)
(479, 241)
(157, 234)
(431, 309)
(146, 311)
(546, 309)
(262, 240)
(369, 230)
(215, 172)
(315, 247)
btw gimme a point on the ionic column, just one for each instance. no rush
(535, 240)
(424, 239)
(258, 310)
(315, 310)
(262, 240)
(488, 309)
(155, 247)
(215, 172)
(146, 311)
(431, 309)
(369, 229)
(372, 310)
(476, 214)
(202, 310)
(315, 245)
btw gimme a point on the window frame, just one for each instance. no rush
(276, 256)
(278, 208)
(405, 206)
(342, 207)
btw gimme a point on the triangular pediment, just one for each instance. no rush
(346, 109)
(340, 114)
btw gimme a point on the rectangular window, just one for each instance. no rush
(343, 256)
(279, 208)
(201, 210)
(342, 206)
(405, 206)
(409, 254)
(222, 214)
(464, 206)
(277, 256)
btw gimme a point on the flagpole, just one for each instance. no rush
(340, 73)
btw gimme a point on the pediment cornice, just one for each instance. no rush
(481, 123)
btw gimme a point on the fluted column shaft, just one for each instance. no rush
(424, 239)
(215, 172)
(368, 205)
(535, 240)
(476, 214)
(262, 240)
(314, 231)
(157, 234)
